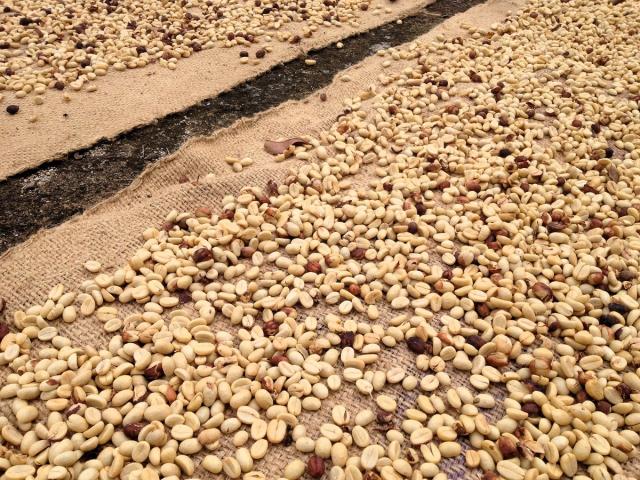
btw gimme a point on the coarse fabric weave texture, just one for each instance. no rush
(125, 100)
(111, 232)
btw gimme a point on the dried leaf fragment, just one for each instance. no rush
(279, 147)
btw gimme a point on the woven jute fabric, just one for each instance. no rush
(125, 100)
(111, 232)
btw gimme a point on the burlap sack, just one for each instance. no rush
(111, 232)
(125, 100)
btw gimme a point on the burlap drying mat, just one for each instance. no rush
(111, 231)
(125, 100)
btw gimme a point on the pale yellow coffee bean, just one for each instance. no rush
(386, 403)
(294, 470)
(212, 464)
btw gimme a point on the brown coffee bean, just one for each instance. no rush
(277, 358)
(154, 372)
(531, 408)
(354, 289)
(313, 266)
(202, 255)
(271, 328)
(346, 339)
(4, 330)
(507, 447)
(476, 341)
(132, 430)
(315, 466)
(416, 345)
